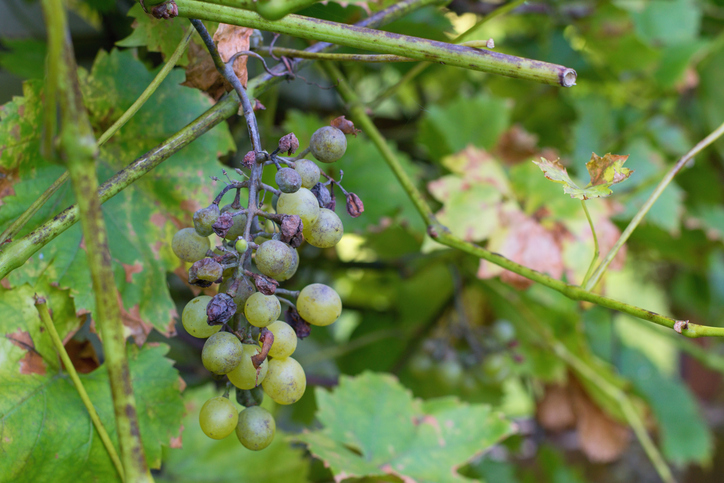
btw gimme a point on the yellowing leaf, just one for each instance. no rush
(604, 171)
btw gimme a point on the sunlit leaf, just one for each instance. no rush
(604, 171)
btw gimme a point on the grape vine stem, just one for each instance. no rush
(76, 147)
(442, 235)
(42, 306)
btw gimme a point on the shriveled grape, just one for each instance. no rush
(189, 246)
(319, 304)
(194, 318)
(205, 218)
(237, 229)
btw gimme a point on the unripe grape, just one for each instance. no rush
(274, 258)
(245, 375)
(309, 171)
(288, 180)
(328, 144)
(319, 304)
(261, 310)
(285, 382)
(221, 353)
(255, 428)
(326, 231)
(448, 373)
(194, 318)
(285, 339)
(205, 218)
(189, 246)
(237, 229)
(218, 417)
(241, 245)
(302, 203)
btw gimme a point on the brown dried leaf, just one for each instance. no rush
(202, 74)
(601, 438)
(230, 40)
(82, 355)
(555, 410)
(138, 328)
(345, 125)
(32, 362)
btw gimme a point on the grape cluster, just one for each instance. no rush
(246, 342)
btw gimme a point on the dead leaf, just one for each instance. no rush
(32, 362)
(230, 40)
(555, 410)
(601, 438)
(82, 355)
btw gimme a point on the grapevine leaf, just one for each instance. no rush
(140, 219)
(373, 427)
(157, 35)
(201, 459)
(47, 434)
(604, 171)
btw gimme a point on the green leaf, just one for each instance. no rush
(373, 427)
(140, 218)
(479, 121)
(604, 171)
(25, 58)
(685, 436)
(668, 22)
(202, 459)
(47, 434)
(157, 35)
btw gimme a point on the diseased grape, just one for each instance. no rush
(285, 382)
(326, 231)
(194, 318)
(256, 428)
(238, 226)
(221, 353)
(302, 203)
(205, 218)
(243, 292)
(309, 171)
(218, 417)
(288, 180)
(189, 246)
(328, 144)
(261, 310)
(245, 375)
(274, 258)
(289, 273)
(285, 339)
(319, 304)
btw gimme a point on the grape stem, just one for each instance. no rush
(270, 189)
(285, 301)
(290, 293)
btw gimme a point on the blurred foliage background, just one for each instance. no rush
(650, 85)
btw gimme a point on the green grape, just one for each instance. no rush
(205, 218)
(319, 304)
(309, 171)
(285, 382)
(285, 339)
(245, 376)
(241, 245)
(237, 229)
(218, 417)
(448, 373)
(275, 200)
(189, 246)
(326, 231)
(328, 144)
(194, 318)
(261, 310)
(420, 365)
(302, 203)
(504, 331)
(289, 273)
(221, 353)
(274, 258)
(288, 180)
(255, 428)
(243, 293)
(495, 368)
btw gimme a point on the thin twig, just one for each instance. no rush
(598, 273)
(42, 306)
(595, 244)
